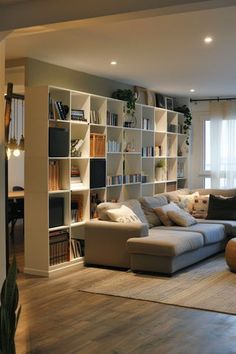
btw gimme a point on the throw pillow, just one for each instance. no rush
(181, 217)
(123, 215)
(174, 195)
(186, 202)
(162, 213)
(148, 204)
(103, 207)
(135, 206)
(221, 208)
(200, 206)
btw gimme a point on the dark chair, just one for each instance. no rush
(15, 210)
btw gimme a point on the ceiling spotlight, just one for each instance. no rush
(192, 90)
(113, 62)
(208, 39)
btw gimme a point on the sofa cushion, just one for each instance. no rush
(165, 243)
(123, 215)
(162, 213)
(135, 206)
(174, 195)
(103, 207)
(148, 204)
(212, 233)
(230, 225)
(186, 202)
(221, 208)
(200, 206)
(181, 217)
(217, 191)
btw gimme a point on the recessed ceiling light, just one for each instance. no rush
(208, 39)
(192, 90)
(113, 62)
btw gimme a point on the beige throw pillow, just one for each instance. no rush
(162, 212)
(186, 202)
(123, 215)
(181, 218)
(200, 206)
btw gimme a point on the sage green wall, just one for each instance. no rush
(38, 73)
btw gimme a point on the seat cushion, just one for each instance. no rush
(230, 225)
(165, 243)
(212, 233)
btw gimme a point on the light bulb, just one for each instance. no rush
(8, 154)
(16, 152)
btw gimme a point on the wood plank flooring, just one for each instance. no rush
(58, 319)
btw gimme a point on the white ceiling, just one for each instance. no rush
(164, 53)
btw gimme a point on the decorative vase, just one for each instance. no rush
(159, 173)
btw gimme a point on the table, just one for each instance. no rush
(16, 195)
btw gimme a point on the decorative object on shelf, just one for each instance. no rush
(141, 94)
(78, 114)
(129, 96)
(129, 147)
(75, 147)
(10, 311)
(160, 100)
(160, 170)
(169, 103)
(151, 98)
(187, 121)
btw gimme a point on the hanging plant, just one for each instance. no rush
(126, 95)
(187, 121)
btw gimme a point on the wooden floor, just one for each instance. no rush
(58, 319)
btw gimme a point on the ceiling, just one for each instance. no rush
(163, 53)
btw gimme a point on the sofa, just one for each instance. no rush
(148, 245)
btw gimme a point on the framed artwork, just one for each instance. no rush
(151, 98)
(141, 93)
(169, 103)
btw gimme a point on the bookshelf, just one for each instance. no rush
(71, 136)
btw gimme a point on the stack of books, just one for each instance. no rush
(76, 181)
(77, 247)
(59, 246)
(57, 111)
(54, 175)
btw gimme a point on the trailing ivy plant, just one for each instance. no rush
(9, 311)
(126, 95)
(187, 121)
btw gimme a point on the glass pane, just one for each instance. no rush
(207, 182)
(207, 157)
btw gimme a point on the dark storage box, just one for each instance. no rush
(56, 211)
(97, 173)
(58, 142)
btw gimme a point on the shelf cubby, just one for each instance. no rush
(98, 110)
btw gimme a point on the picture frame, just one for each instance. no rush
(169, 103)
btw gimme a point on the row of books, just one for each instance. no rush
(77, 247)
(132, 178)
(113, 146)
(57, 111)
(59, 246)
(54, 175)
(112, 180)
(97, 145)
(147, 151)
(112, 118)
(95, 117)
(76, 208)
(146, 124)
(78, 114)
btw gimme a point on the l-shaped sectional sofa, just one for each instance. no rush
(150, 246)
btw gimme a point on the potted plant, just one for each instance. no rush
(9, 311)
(160, 170)
(130, 98)
(187, 121)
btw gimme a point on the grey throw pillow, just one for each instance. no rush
(149, 204)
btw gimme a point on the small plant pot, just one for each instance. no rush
(160, 174)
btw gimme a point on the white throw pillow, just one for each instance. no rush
(162, 212)
(123, 215)
(181, 218)
(200, 207)
(186, 202)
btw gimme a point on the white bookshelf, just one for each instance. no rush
(130, 155)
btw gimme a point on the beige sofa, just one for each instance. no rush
(150, 246)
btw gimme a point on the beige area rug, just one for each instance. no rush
(208, 285)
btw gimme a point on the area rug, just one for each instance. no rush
(208, 285)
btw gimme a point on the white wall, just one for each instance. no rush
(16, 171)
(200, 111)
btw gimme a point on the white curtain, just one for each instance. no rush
(223, 143)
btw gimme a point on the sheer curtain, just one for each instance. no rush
(223, 144)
